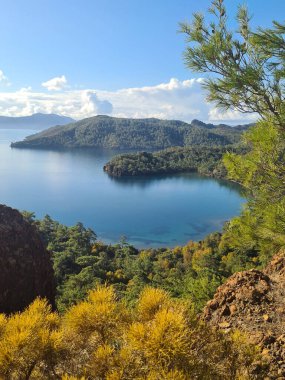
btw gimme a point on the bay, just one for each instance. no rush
(71, 187)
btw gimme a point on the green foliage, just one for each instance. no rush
(261, 225)
(249, 66)
(249, 72)
(199, 288)
(204, 160)
(70, 248)
(193, 271)
(103, 132)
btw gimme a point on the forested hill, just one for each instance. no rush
(121, 133)
(201, 159)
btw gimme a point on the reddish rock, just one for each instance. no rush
(26, 268)
(254, 302)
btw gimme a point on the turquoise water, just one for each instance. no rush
(71, 186)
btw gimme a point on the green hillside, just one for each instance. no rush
(106, 132)
(201, 159)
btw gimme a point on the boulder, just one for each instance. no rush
(26, 267)
(254, 302)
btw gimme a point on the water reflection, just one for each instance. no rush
(145, 181)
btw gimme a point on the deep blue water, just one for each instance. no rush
(71, 186)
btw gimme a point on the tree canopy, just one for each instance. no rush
(199, 159)
(105, 132)
(248, 66)
(247, 70)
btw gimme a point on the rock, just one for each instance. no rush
(254, 302)
(26, 267)
(226, 311)
(233, 309)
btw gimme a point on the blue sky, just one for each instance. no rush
(104, 46)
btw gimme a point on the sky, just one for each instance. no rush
(118, 57)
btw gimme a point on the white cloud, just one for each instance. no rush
(230, 116)
(183, 100)
(92, 105)
(25, 89)
(172, 100)
(55, 84)
(3, 79)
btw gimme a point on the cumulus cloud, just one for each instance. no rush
(182, 100)
(172, 100)
(92, 105)
(76, 104)
(55, 84)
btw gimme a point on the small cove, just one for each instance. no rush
(71, 187)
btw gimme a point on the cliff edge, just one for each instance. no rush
(26, 268)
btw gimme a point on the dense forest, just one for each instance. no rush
(104, 132)
(201, 159)
(191, 272)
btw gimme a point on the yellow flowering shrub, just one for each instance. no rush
(101, 339)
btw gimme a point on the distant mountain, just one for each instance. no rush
(37, 121)
(199, 123)
(107, 132)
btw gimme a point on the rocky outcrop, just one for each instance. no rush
(26, 268)
(254, 302)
